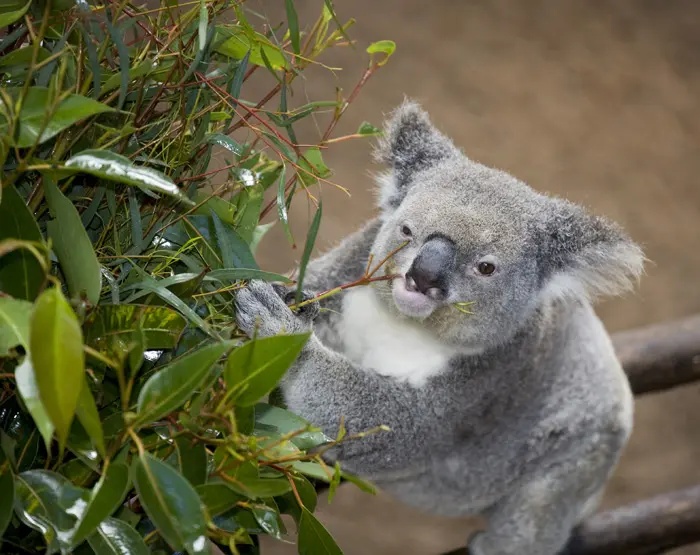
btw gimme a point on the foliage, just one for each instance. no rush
(133, 415)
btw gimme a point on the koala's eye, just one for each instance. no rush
(486, 268)
(406, 231)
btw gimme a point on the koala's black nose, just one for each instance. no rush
(430, 270)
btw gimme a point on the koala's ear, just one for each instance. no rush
(583, 254)
(410, 144)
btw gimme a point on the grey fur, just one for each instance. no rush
(526, 419)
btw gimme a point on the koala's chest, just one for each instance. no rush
(378, 342)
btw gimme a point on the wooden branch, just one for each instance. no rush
(662, 356)
(648, 527)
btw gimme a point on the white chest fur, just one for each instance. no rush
(380, 342)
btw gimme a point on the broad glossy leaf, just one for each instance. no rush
(114, 324)
(288, 503)
(15, 316)
(114, 167)
(104, 499)
(116, 537)
(171, 386)
(29, 391)
(21, 274)
(313, 538)
(386, 47)
(237, 274)
(218, 498)
(72, 245)
(34, 113)
(256, 367)
(172, 504)
(192, 460)
(7, 493)
(56, 346)
(268, 519)
(87, 414)
(12, 11)
(313, 469)
(257, 488)
(275, 419)
(33, 509)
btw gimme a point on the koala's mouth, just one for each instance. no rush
(412, 303)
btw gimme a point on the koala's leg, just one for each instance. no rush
(539, 518)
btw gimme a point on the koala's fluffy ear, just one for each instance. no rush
(583, 254)
(410, 144)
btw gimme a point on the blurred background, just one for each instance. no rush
(596, 101)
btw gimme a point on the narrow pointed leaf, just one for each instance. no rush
(11, 13)
(116, 537)
(114, 167)
(282, 207)
(21, 274)
(237, 81)
(224, 141)
(293, 22)
(15, 315)
(87, 414)
(255, 368)
(308, 249)
(172, 504)
(313, 538)
(281, 421)
(171, 386)
(56, 347)
(34, 114)
(107, 495)
(72, 245)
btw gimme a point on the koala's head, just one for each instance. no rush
(476, 234)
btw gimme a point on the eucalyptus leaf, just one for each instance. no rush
(10, 13)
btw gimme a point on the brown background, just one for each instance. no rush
(593, 100)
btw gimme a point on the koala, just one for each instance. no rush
(518, 411)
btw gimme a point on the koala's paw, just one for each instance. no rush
(262, 310)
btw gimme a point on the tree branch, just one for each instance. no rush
(661, 356)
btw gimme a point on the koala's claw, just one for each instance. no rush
(262, 311)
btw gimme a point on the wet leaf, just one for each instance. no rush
(107, 495)
(170, 386)
(56, 347)
(87, 414)
(192, 460)
(33, 510)
(255, 368)
(224, 141)
(283, 422)
(282, 206)
(308, 249)
(268, 519)
(114, 167)
(116, 537)
(172, 504)
(36, 109)
(313, 538)
(15, 316)
(72, 245)
(21, 274)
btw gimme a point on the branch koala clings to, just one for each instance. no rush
(518, 412)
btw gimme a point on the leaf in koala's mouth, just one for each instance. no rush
(462, 307)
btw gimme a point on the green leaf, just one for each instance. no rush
(21, 274)
(293, 21)
(249, 202)
(218, 497)
(255, 368)
(172, 504)
(29, 391)
(36, 109)
(288, 503)
(116, 537)
(275, 419)
(282, 206)
(237, 274)
(110, 324)
(192, 459)
(171, 385)
(369, 130)
(313, 163)
(56, 346)
(386, 47)
(107, 495)
(313, 469)
(15, 315)
(224, 141)
(308, 248)
(72, 245)
(313, 538)
(36, 510)
(114, 167)
(7, 493)
(268, 519)
(87, 414)
(361, 484)
(8, 15)
(257, 488)
(237, 81)
(239, 44)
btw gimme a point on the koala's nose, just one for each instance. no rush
(430, 270)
